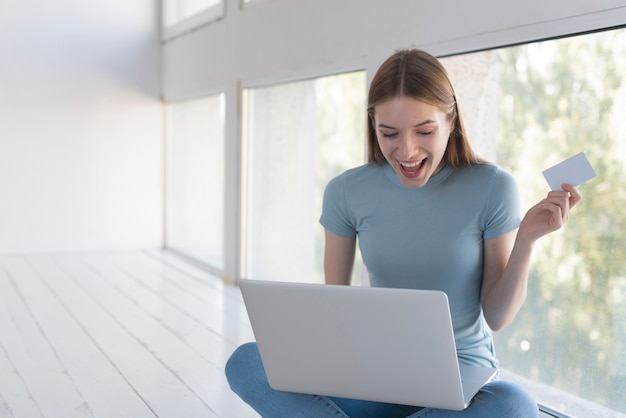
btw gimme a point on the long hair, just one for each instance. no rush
(417, 74)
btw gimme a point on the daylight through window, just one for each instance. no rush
(532, 106)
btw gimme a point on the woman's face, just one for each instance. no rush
(413, 137)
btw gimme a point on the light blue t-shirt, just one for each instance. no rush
(429, 237)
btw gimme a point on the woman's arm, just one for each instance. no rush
(338, 258)
(507, 258)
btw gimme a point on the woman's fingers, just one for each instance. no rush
(561, 201)
(574, 195)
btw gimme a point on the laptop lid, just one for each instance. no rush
(379, 344)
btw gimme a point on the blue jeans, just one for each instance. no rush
(247, 379)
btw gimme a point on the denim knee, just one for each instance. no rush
(512, 399)
(240, 364)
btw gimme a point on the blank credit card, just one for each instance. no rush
(575, 171)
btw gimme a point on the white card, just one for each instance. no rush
(575, 171)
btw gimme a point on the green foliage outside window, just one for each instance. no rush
(558, 98)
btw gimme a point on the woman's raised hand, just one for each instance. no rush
(550, 214)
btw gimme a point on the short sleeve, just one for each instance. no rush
(335, 212)
(503, 208)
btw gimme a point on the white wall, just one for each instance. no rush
(283, 40)
(80, 126)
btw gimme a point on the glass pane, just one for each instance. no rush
(552, 100)
(195, 174)
(178, 10)
(297, 137)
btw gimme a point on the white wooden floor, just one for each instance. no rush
(139, 334)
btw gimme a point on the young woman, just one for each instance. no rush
(429, 214)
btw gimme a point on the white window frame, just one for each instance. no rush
(205, 17)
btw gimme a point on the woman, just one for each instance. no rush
(429, 214)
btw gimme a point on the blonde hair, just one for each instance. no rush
(417, 74)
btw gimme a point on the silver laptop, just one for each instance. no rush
(378, 344)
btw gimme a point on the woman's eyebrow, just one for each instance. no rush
(426, 122)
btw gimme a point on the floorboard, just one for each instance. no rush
(142, 334)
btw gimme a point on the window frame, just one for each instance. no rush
(210, 15)
(575, 399)
(244, 93)
(168, 160)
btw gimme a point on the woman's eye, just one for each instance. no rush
(389, 135)
(426, 133)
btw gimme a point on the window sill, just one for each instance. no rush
(557, 403)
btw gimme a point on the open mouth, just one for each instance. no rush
(411, 168)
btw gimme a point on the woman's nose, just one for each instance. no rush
(408, 146)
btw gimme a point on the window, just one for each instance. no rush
(195, 179)
(532, 106)
(297, 136)
(181, 16)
